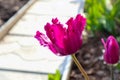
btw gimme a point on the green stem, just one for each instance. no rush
(112, 72)
(80, 67)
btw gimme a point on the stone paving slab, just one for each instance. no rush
(59, 8)
(27, 52)
(29, 24)
(21, 76)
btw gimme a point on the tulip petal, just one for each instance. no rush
(43, 40)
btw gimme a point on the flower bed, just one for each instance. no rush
(90, 57)
(8, 8)
(101, 23)
(12, 19)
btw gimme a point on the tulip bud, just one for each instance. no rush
(111, 55)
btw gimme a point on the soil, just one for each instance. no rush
(90, 57)
(8, 8)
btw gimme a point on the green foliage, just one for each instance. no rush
(102, 17)
(118, 39)
(116, 11)
(56, 76)
(118, 66)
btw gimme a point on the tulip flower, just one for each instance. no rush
(63, 40)
(111, 55)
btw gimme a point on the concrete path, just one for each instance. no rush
(21, 56)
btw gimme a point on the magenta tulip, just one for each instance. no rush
(111, 55)
(61, 40)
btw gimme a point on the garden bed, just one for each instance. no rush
(10, 17)
(101, 22)
(8, 8)
(90, 57)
